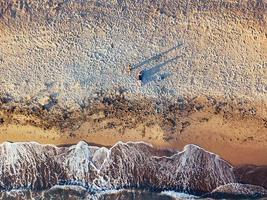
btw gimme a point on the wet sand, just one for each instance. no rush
(213, 138)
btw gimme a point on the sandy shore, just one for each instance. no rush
(235, 153)
(236, 133)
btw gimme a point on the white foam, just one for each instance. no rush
(178, 195)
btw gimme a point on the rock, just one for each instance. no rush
(20, 195)
(251, 174)
(43, 100)
(238, 190)
(66, 191)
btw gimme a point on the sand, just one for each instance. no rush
(238, 135)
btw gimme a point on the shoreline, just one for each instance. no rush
(235, 131)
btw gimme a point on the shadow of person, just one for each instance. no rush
(155, 57)
(152, 74)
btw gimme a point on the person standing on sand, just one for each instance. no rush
(129, 69)
(139, 77)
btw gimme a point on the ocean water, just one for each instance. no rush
(77, 194)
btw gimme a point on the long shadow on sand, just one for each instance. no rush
(152, 73)
(155, 57)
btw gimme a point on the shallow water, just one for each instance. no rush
(77, 194)
(106, 195)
